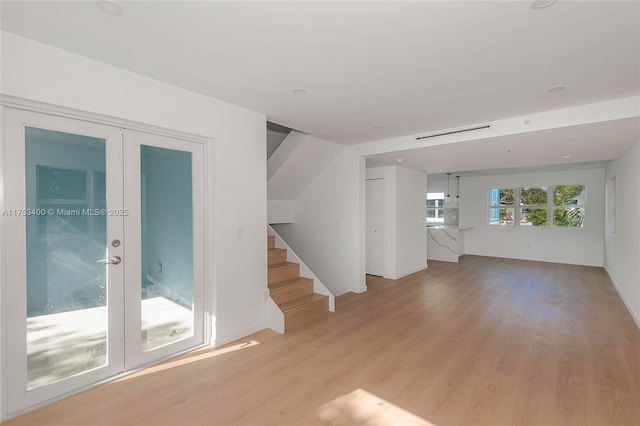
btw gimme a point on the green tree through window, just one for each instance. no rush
(569, 206)
(534, 202)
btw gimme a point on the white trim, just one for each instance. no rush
(626, 304)
(239, 334)
(209, 246)
(406, 274)
(362, 232)
(3, 324)
(46, 108)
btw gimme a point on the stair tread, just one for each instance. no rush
(301, 301)
(282, 265)
(289, 282)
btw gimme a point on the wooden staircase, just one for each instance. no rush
(292, 293)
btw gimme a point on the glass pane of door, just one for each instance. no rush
(167, 298)
(67, 319)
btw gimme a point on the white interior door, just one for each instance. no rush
(375, 219)
(104, 270)
(63, 304)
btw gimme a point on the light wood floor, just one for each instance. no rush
(486, 341)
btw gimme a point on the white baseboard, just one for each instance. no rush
(230, 337)
(626, 304)
(422, 268)
(360, 290)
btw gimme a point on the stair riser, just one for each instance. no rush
(271, 242)
(295, 291)
(281, 274)
(277, 257)
(299, 317)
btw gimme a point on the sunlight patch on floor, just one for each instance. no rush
(188, 359)
(361, 407)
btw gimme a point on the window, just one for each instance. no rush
(435, 207)
(569, 206)
(533, 206)
(501, 210)
(538, 206)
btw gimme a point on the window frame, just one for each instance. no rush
(550, 207)
(521, 206)
(436, 208)
(499, 206)
(582, 206)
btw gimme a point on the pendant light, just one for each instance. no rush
(457, 189)
(448, 200)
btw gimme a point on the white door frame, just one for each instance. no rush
(9, 237)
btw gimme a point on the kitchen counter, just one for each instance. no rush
(445, 242)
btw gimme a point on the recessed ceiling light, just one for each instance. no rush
(564, 157)
(542, 4)
(378, 127)
(298, 92)
(400, 160)
(110, 7)
(557, 89)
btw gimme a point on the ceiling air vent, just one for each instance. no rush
(453, 132)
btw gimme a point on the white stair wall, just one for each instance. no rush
(284, 151)
(299, 159)
(274, 318)
(280, 211)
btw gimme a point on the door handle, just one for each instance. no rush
(113, 261)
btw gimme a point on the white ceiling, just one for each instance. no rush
(412, 67)
(587, 145)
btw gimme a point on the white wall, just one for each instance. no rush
(562, 245)
(296, 162)
(623, 246)
(438, 183)
(275, 135)
(327, 229)
(237, 159)
(280, 211)
(326, 234)
(411, 228)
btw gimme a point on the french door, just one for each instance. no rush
(103, 260)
